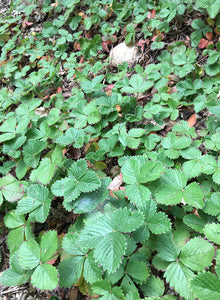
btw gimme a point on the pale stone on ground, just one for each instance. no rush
(122, 53)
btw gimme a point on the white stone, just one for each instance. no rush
(122, 53)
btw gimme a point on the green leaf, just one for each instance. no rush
(193, 195)
(103, 288)
(48, 245)
(92, 272)
(89, 201)
(103, 234)
(10, 189)
(72, 136)
(179, 59)
(194, 222)
(109, 250)
(44, 173)
(137, 194)
(166, 248)
(212, 205)
(12, 220)
(171, 189)
(29, 255)
(156, 222)
(178, 277)
(212, 232)
(70, 270)
(32, 150)
(137, 270)
(37, 203)
(119, 220)
(45, 277)
(154, 287)
(206, 286)
(15, 275)
(197, 254)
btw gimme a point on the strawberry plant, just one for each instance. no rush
(110, 174)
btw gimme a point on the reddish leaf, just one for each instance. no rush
(203, 43)
(109, 88)
(142, 43)
(209, 36)
(59, 89)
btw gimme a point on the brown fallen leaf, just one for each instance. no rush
(192, 120)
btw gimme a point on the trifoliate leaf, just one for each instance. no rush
(48, 245)
(29, 254)
(10, 189)
(197, 254)
(32, 150)
(72, 136)
(166, 248)
(37, 202)
(206, 286)
(70, 270)
(44, 173)
(103, 234)
(154, 287)
(178, 277)
(45, 277)
(212, 232)
(137, 270)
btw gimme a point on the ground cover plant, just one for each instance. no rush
(110, 175)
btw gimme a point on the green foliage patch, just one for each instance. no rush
(130, 153)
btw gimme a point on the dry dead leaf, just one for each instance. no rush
(116, 182)
(192, 120)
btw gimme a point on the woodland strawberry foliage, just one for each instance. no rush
(130, 153)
